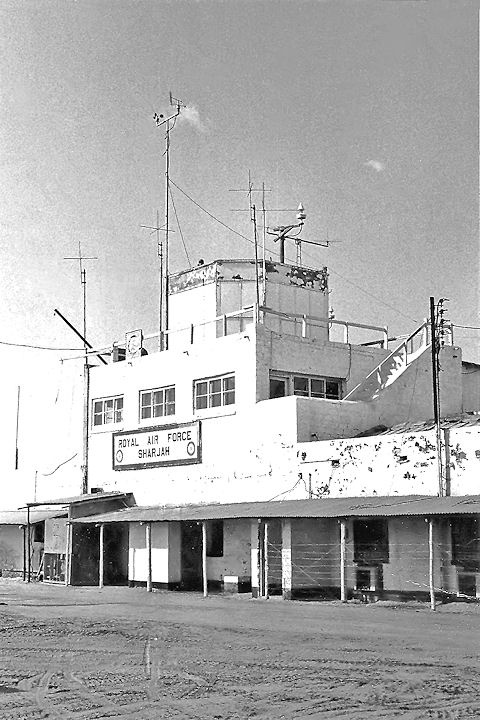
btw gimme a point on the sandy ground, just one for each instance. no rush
(85, 653)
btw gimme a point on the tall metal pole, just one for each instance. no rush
(16, 432)
(167, 229)
(257, 284)
(264, 263)
(436, 398)
(160, 301)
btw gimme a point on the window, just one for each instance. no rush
(317, 387)
(466, 543)
(157, 403)
(370, 539)
(305, 386)
(215, 538)
(215, 392)
(108, 410)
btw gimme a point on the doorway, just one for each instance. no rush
(191, 556)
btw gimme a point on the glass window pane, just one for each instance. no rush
(201, 388)
(300, 386)
(201, 402)
(215, 385)
(146, 412)
(145, 399)
(333, 389)
(216, 400)
(229, 397)
(170, 395)
(229, 383)
(158, 397)
(317, 388)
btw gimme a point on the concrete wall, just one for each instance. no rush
(392, 464)
(236, 552)
(165, 553)
(304, 356)
(409, 398)
(471, 386)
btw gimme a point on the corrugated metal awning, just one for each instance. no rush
(409, 505)
(19, 517)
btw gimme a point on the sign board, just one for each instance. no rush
(133, 344)
(159, 446)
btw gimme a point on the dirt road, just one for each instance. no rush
(85, 653)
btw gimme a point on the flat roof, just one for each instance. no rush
(377, 506)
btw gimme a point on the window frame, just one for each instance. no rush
(164, 404)
(212, 392)
(104, 413)
(291, 379)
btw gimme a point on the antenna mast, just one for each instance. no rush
(169, 123)
(86, 368)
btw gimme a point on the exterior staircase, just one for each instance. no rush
(392, 366)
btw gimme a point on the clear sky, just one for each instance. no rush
(366, 112)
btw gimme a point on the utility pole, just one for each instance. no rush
(86, 368)
(169, 123)
(435, 344)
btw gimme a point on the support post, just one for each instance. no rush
(431, 564)
(345, 333)
(343, 555)
(204, 558)
(68, 554)
(287, 559)
(24, 553)
(148, 542)
(29, 545)
(436, 396)
(255, 557)
(101, 562)
(265, 561)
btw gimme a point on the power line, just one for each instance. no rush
(179, 228)
(374, 297)
(37, 347)
(210, 214)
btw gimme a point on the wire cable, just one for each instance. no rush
(179, 228)
(38, 347)
(374, 297)
(210, 214)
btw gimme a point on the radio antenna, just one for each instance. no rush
(169, 123)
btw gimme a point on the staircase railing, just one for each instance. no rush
(393, 364)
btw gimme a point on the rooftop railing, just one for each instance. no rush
(294, 324)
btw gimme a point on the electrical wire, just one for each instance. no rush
(210, 214)
(38, 347)
(59, 466)
(179, 228)
(374, 297)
